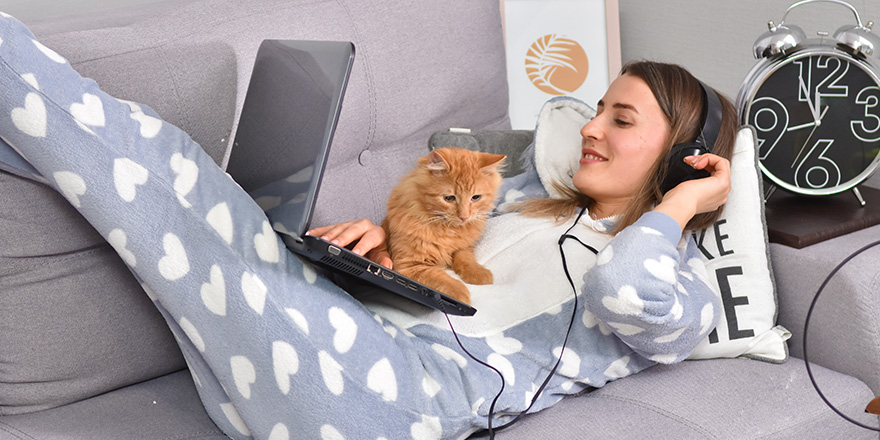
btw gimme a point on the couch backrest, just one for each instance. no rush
(420, 67)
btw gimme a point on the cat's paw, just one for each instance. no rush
(458, 291)
(476, 275)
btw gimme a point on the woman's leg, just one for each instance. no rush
(277, 351)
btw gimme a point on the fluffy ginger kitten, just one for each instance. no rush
(437, 213)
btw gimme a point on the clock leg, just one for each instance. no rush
(858, 195)
(769, 190)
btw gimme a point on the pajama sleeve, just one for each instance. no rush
(654, 296)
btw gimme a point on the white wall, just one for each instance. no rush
(713, 38)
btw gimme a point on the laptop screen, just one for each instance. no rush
(287, 122)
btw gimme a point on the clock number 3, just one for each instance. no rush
(868, 129)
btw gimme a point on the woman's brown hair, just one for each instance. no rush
(681, 99)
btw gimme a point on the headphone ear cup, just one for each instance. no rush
(677, 171)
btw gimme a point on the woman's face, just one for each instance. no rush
(620, 145)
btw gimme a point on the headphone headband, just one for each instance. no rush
(711, 120)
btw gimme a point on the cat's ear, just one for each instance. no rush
(436, 163)
(491, 163)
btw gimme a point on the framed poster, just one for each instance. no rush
(558, 47)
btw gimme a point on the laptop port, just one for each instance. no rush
(373, 269)
(387, 275)
(412, 286)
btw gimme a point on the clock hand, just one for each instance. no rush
(815, 126)
(798, 127)
(814, 109)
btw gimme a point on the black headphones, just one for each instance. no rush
(677, 170)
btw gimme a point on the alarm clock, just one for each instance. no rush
(815, 106)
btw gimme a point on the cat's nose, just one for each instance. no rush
(463, 219)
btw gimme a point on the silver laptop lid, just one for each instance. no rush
(286, 126)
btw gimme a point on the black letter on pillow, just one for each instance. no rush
(730, 302)
(719, 238)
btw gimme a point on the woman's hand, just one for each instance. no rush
(697, 196)
(370, 239)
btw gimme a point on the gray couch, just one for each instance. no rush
(84, 355)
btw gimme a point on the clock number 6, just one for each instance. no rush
(825, 168)
(770, 118)
(868, 129)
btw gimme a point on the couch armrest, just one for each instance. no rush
(844, 332)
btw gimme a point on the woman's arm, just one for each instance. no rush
(653, 296)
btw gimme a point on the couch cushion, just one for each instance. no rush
(74, 323)
(749, 399)
(167, 407)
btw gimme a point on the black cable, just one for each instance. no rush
(490, 431)
(807, 324)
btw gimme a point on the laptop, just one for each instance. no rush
(280, 151)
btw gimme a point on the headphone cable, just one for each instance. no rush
(807, 324)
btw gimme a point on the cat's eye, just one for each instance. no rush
(476, 197)
(449, 198)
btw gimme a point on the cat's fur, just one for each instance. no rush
(428, 231)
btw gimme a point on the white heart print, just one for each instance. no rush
(119, 240)
(187, 173)
(220, 219)
(381, 379)
(331, 371)
(90, 111)
(127, 176)
(450, 355)
(214, 292)
(662, 269)
(285, 362)
(346, 329)
(31, 79)
(31, 119)
(279, 432)
(243, 374)
(503, 345)
(266, 244)
(71, 185)
(328, 432)
(49, 53)
(618, 368)
(175, 264)
(627, 302)
(150, 126)
(504, 366)
(571, 362)
(235, 418)
(254, 291)
(428, 429)
(192, 333)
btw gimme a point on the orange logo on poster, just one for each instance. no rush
(556, 64)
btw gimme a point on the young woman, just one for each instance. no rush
(278, 352)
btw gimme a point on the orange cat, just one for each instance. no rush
(436, 215)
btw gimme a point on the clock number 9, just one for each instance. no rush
(770, 119)
(868, 129)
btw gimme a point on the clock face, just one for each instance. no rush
(817, 119)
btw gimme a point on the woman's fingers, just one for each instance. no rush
(370, 239)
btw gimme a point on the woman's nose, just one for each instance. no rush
(591, 129)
